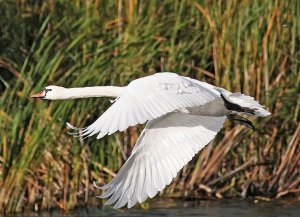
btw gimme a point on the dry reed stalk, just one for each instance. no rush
(240, 45)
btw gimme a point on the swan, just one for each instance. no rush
(182, 114)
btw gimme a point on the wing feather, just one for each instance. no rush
(148, 98)
(164, 147)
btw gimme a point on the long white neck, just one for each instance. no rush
(87, 92)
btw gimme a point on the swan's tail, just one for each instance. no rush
(248, 103)
(242, 103)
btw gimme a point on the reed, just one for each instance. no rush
(247, 46)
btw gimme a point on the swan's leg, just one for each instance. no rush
(240, 120)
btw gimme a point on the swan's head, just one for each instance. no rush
(51, 93)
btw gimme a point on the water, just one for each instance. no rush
(171, 208)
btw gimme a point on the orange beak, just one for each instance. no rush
(40, 94)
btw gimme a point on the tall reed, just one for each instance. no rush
(247, 46)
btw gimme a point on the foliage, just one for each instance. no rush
(247, 46)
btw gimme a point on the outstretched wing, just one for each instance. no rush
(148, 98)
(164, 147)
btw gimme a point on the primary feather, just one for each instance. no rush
(165, 146)
(147, 98)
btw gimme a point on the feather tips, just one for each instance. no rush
(165, 146)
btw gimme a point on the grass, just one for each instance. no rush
(247, 46)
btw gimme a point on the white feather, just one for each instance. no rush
(159, 156)
(152, 101)
(183, 116)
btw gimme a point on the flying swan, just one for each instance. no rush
(182, 114)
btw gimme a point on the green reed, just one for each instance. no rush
(244, 46)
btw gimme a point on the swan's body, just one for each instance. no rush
(182, 115)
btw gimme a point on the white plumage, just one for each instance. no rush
(148, 98)
(164, 147)
(183, 116)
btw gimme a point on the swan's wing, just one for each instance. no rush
(164, 147)
(148, 98)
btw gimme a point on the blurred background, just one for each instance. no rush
(244, 46)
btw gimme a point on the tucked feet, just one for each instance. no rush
(240, 120)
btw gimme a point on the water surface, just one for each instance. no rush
(167, 207)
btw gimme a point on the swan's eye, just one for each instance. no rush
(46, 91)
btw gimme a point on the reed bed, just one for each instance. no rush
(245, 46)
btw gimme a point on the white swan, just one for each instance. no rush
(183, 116)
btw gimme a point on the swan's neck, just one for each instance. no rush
(87, 92)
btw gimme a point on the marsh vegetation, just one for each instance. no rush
(244, 46)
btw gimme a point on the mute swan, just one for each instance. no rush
(182, 115)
